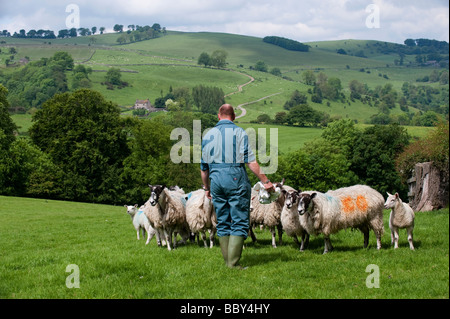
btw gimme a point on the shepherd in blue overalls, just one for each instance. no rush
(225, 151)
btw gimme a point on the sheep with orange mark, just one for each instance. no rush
(357, 206)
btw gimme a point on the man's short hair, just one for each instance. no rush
(227, 110)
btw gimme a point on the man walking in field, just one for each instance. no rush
(225, 150)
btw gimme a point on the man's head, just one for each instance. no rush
(226, 112)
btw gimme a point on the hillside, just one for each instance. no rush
(152, 67)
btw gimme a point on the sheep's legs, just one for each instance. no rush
(204, 239)
(252, 234)
(410, 238)
(211, 238)
(395, 234)
(272, 230)
(149, 237)
(365, 231)
(297, 242)
(138, 234)
(328, 246)
(158, 239)
(280, 234)
(168, 235)
(175, 234)
(378, 234)
(161, 237)
(305, 241)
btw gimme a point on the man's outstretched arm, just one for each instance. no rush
(256, 169)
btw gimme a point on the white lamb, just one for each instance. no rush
(356, 206)
(290, 220)
(200, 215)
(402, 216)
(170, 214)
(268, 215)
(140, 221)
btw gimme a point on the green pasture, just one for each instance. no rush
(246, 51)
(290, 138)
(152, 81)
(123, 57)
(41, 238)
(35, 52)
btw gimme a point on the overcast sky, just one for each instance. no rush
(305, 20)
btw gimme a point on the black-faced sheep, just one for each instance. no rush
(171, 214)
(200, 215)
(290, 219)
(356, 206)
(402, 216)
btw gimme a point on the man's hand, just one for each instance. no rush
(269, 187)
(205, 180)
(255, 168)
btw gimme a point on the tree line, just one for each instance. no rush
(81, 149)
(287, 44)
(139, 32)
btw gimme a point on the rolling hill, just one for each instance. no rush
(152, 67)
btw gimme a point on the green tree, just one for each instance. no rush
(304, 115)
(208, 99)
(84, 136)
(264, 118)
(204, 59)
(63, 59)
(297, 98)
(219, 58)
(81, 77)
(373, 157)
(118, 28)
(27, 171)
(342, 133)
(122, 39)
(432, 148)
(319, 165)
(261, 66)
(7, 126)
(356, 89)
(276, 71)
(281, 118)
(114, 76)
(309, 77)
(147, 163)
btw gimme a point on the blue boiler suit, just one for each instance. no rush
(225, 151)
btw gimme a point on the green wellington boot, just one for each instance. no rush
(235, 245)
(224, 247)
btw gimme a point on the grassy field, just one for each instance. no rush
(40, 238)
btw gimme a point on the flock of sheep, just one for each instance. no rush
(170, 212)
